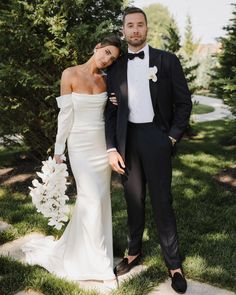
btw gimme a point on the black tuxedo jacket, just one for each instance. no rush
(170, 95)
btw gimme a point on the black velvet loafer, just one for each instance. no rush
(179, 283)
(124, 266)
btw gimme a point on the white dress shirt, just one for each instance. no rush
(139, 97)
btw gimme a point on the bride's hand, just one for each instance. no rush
(58, 159)
(113, 99)
(116, 162)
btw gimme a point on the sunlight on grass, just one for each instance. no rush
(205, 211)
(189, 193)
(2, 193)
(195, 264)
(202, 109)
(217, 236)
(215, 271)
(203, 162)
(18, 276)
(198, 267)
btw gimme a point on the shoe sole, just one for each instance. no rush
(121, 273)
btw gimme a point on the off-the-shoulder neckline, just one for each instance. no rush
(89, 93)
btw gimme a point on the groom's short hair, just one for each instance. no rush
(133, 9)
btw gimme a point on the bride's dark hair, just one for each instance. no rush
(113, 40)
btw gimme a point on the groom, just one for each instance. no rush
(154, 106)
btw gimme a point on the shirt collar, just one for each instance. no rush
(145, 49)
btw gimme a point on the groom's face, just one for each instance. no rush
(135, 29)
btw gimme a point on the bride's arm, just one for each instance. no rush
(65, 116)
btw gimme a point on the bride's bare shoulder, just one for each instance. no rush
(68, 78)
(70, 72)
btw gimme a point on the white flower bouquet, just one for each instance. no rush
(49, 196)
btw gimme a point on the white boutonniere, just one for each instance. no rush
(49, 195)
(152, 71)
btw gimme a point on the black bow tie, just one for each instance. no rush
(133, 55)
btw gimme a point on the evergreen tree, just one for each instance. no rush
(172, 40)
(188, 45)
(172, 44)
(159, 19)
(207, 61)
(38, 39)
(127, 3)
(224, 79)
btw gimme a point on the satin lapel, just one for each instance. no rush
(122, 78)
(154, 60)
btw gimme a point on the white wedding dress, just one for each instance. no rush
(84, 252)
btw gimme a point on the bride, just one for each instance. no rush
(84, 252)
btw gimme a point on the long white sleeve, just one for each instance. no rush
(64, 122)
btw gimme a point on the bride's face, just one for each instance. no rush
(105, 56)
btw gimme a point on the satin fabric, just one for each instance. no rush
(84, 251)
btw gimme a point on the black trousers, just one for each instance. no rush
(148, 161)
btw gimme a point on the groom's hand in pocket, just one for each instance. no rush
(116, 162)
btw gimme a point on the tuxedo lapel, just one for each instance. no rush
(154, 60)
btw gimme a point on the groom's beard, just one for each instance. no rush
(136, 42)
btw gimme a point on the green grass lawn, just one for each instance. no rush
(205, 211)
(201, 109)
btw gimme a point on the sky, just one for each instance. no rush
(208, 16)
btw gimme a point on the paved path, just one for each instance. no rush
(4, 226)
(221, 111)
(29, 292)
(194, 288)
(13, 249)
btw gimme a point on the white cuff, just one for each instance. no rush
(59, 149)
(111, 150)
